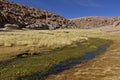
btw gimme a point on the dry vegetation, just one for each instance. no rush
(15, 42)
(61, 42)
(39, 38)
(65, 45)
(45, 38)
(103, 67)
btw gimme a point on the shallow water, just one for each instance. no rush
(72, 62)
(63, 59)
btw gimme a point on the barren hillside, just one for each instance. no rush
(29, 17)
(96, 22)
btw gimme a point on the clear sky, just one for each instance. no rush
(76, 8)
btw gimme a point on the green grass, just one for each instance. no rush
(36, 66)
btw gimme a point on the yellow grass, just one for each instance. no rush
(39, 38)
(15, 42)
(98, 68)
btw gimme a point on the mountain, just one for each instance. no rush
(31, 18)
(96, 22)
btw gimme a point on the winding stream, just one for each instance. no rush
(50, 63)
(72, 62)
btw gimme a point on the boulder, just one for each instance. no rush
(38, 26)
(11, 26)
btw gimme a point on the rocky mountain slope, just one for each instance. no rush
(96, 22)
(31, 18)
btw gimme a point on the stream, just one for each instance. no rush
(69, 63)
(72, 62)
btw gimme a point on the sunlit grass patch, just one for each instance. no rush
(33, 41)
(37, 66)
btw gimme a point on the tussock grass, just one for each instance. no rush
(36, 67)
(65, 45)
(37, 41)
(39, 38)
(17, 42)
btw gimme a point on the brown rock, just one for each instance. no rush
(28, 17)
(11, 26)
(96, 22)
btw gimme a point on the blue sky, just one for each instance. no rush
(76, 8)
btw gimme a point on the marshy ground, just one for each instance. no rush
(31, 54)
(104, 67)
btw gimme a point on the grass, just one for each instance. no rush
(38, 38)
(97, 66)
(35, 67)
(16, 42)
(58, 46)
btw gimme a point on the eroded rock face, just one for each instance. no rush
(96, 22)
(28, 17)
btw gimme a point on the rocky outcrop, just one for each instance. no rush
(96, 22)
(11, 26)
(29, 17)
